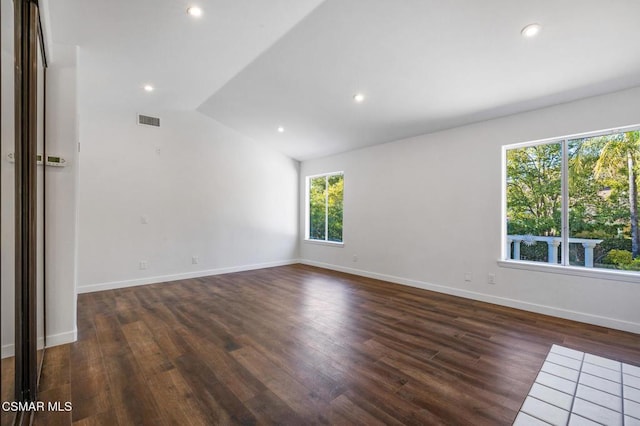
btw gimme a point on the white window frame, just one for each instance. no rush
(307, 227)
(563, 267)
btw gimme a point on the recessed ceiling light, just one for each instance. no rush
(530, 30)
(358, 97)
(148, 88)
(194, 11)
(281, 129)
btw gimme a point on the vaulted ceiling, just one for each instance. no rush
(422, 65)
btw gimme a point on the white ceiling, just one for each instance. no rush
(423, 65)
(125, 44)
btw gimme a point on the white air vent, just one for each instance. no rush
(146, 120)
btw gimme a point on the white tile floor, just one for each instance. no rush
(575, 388)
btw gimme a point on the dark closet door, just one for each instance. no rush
(29, 196)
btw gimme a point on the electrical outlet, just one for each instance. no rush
(143, 264)
(144, 220)
(195, 260)
(355, 258)
(491, 279)
(467, 276)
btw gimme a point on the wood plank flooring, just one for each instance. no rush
(7, 389)
(298, 345)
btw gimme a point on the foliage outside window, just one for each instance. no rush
(575, 201)
(324, 212)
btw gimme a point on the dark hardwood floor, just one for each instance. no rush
(300, 345)
(7, 367)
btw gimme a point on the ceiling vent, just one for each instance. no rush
(146, 120)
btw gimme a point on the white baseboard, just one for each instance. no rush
(503, 301)
(62, 338)
(8, 350)
(52, 340)
(164, 278)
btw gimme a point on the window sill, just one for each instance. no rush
(632, 277)
(324, 243)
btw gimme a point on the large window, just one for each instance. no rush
(324, 207)
(574, 201)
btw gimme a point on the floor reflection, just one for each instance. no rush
(7, 390)
(327, 304)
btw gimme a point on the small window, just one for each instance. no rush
(324, 207)
(574, 201)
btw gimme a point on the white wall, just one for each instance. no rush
(203, 190)
(61, 203)
(425, 210)
(7, 183)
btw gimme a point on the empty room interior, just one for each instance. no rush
(320, 212)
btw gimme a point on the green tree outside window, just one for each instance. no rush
(326, 207)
